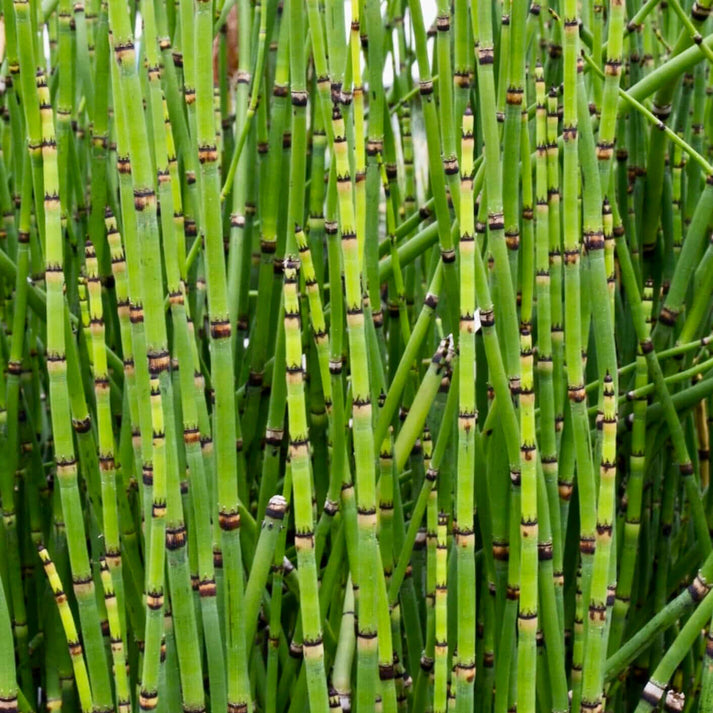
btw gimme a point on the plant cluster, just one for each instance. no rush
(323, 392)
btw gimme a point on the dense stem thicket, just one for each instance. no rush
(372, 373)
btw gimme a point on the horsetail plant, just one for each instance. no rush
(356, 356)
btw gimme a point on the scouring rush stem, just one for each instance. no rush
(340, 494)
(502, 543)
(634, 490)
(462, 59)
(596, 629)
(316, 312)
(693, 178)
(503, 547)
(269, 209)
(230, 480)
(74, 643)
(465, 495)
(396, 284)
(502, 57)
(413, 425)
(483, 38)
(527, 619)
(65, 100)
(606, 139)
(656, 686)
(183, 613)
(424, 687)
(27, 90)
(363, 436)
(512, 67)
(419, 509)
(8, 688)
(272, 527)
(388, 654)
(597, 632)
(438, 184)
(357, 140)
(449, 121)
(316, 198)
(104, 427)
(552, 626)
(135, 364)
(572, 321)
(411, 349)
(275, 636)
(312, 646)
(373, 35)
(243, 186)
(344, 655)
(116, 634)
(548, 426)
(187, 367)
(440, 692)
(163, 463)
(100, 131)
(320, 53)
(64, 454)
(555, 248)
